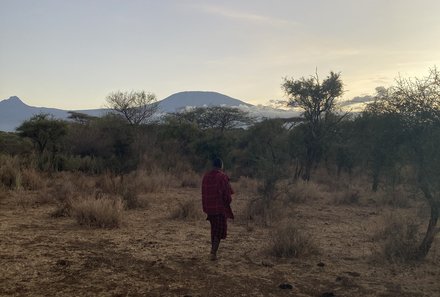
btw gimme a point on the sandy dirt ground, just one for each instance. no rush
(153, 255)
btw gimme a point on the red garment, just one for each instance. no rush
(216, 194)
(219, 227)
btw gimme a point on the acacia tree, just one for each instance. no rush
(219, 118)
(46, 133)
(137, 107)
(317, 99)
(417, 103)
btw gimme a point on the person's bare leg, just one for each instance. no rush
(214, 248)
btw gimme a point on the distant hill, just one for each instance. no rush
(180, 100)
(13, 112)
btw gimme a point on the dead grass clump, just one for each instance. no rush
(31, 180)
(102, 212)
(63, 193)
(397, 198)
(187, 210)
(399, 239)
(263, 212)
(9, 175)
(152, 182)
(350, 196)
(107, 183)
(190, 179)
(288, 241)
(303, 191)
(246, 184)
(129, 192)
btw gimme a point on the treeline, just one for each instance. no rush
(394, 140)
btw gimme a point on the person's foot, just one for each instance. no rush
(213, 257)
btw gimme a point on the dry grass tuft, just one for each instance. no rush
(303, 191)
(32, 180)
(9, 173)
(398, 198)
(187, 210)
(152, 182)
(246, 184)
(102, 212)
(288, 241)
(190, 179)
(399, 238)
(63, 193)
(350, 196)
(263, 212)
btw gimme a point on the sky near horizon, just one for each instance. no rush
(71, 54)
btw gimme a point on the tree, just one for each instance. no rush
(317, 99)
(219, 118)
(417, 103)
(45, 132)
(137, 107)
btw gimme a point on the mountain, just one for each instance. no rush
(13, 112)
(181, 100)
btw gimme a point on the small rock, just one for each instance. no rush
(353, 273)
(286, 286)
(62, 263)
(267, 263)
(320, 264)
(328, 294)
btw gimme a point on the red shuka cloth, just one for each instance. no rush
(216, 194)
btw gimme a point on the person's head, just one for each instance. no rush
(217, 163)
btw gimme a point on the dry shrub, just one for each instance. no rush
(246, 184)
(350, 196)
(190, 179)
(288, 241)
(31, 180)
(397, 198)
(129, 192)
(102, 212)
(263, 212)
(187, 210)
(107, 183)
(303, 191)
(152, 182)
(63, 193)
(399, 238)
(9, 173)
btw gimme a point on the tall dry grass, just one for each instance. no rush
(187, 210)
(9, 172)
(398, 238)
(302, 191)
(105, 212)
(290, 241)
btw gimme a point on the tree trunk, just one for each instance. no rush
(431, 230)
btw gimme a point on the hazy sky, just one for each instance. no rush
(71, 54)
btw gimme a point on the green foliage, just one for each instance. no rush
(219, 118)
(317, 99)
(415, 103)
(45, 131)
(12, 144)
(47, 134)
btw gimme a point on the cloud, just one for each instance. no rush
(245, 16)
(357, 100)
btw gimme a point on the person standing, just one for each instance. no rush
(216, 201)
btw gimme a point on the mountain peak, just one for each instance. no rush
(13, 100)
(197, 99)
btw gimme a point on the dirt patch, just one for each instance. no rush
(153, 255)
